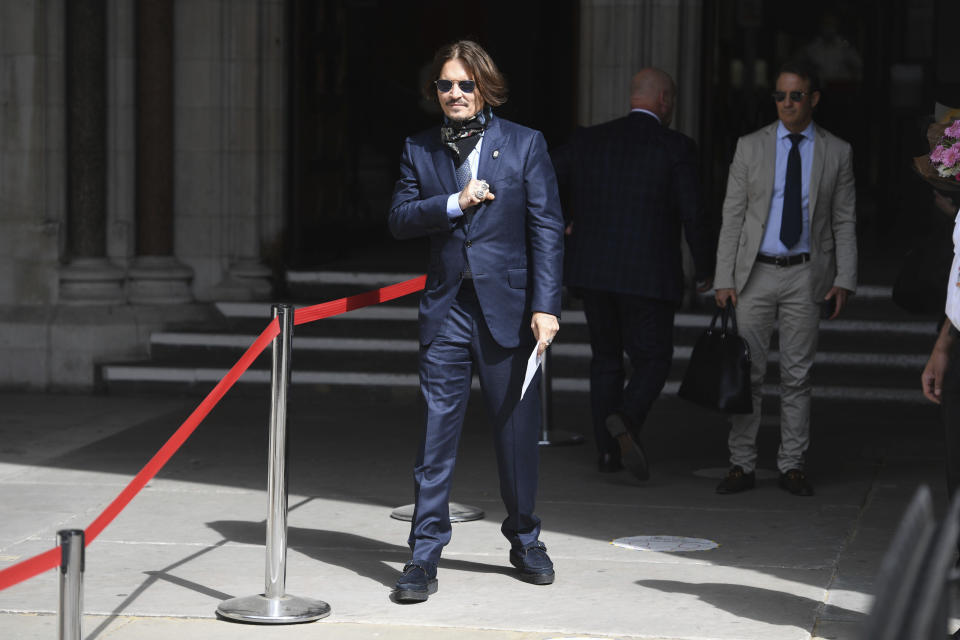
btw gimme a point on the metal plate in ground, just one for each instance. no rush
(718, 473)
(458, 513)
(665, 544)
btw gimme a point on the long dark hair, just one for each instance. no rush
(491, 85)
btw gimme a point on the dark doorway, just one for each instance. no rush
(883, 66)
(356, 68)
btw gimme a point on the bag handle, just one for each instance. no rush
(728, 323)
(713, 323)
(731, 314)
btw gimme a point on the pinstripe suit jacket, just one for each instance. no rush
(631, 185)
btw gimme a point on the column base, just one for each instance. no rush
(159, 280)
(245, 280)
(93, 281)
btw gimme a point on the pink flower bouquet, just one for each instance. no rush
(941, 167)
(945, 157)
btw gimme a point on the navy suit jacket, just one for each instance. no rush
(514, 242)
(632, 184)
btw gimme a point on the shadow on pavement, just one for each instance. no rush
(756, 603)
(359, 554)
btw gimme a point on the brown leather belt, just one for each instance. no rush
(784, 261)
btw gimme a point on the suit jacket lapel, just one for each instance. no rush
(816, 170)
(493, 142)
(768, 168)
(489, 167)
(442, 159)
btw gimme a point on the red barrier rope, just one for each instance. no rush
(49, 559)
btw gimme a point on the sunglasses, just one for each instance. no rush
(467, 86)
(796, 96)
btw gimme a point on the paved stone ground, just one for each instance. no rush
(786, 568)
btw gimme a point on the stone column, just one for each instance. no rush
(620, 37)
(247, 275)
(156, 276)
(226, 131)
(88, 277)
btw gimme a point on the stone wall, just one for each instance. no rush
(229, 93)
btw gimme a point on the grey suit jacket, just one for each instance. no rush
(833, 242)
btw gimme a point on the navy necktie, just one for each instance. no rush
(791, 222)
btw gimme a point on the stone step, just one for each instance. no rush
(881, 335)
(124, 378)
(315, 286)
(178, 346)
(869, 356)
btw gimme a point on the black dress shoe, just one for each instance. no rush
(795, 481)
(632, 455)
(736, 481)
(415, 585)
(609, 463)
(533, 562)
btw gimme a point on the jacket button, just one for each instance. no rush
(468, 244)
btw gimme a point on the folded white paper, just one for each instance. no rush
(533, 363)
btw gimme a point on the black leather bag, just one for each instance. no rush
(718, 376)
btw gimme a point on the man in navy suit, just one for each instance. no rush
(483, 189)
(633, 186)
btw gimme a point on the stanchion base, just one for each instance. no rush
(260, 609)
(458, 513)
(561, 439)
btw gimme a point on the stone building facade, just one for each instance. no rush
(144, 161)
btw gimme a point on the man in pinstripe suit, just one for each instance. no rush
(632, 186)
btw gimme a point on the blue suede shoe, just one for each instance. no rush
(534, 563)
(415, 585)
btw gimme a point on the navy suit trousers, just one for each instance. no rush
(643, 327)
(446, 371)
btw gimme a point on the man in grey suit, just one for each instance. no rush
(787, 247)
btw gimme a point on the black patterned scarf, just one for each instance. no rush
(463, 135)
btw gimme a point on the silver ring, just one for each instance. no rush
(481, 191)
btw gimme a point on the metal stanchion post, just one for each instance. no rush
(71, 582)
(550, 438)
(274, 606)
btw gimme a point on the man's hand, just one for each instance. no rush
(932, 377)
(704, 285)
(931, 380)
(722, 295)
(544, 326)
(841, 300)
(468, 197)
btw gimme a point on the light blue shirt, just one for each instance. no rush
(453, 202)
(771, 244)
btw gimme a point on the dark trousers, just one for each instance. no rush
(950, 412)
(643, 327)
(446, 371)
